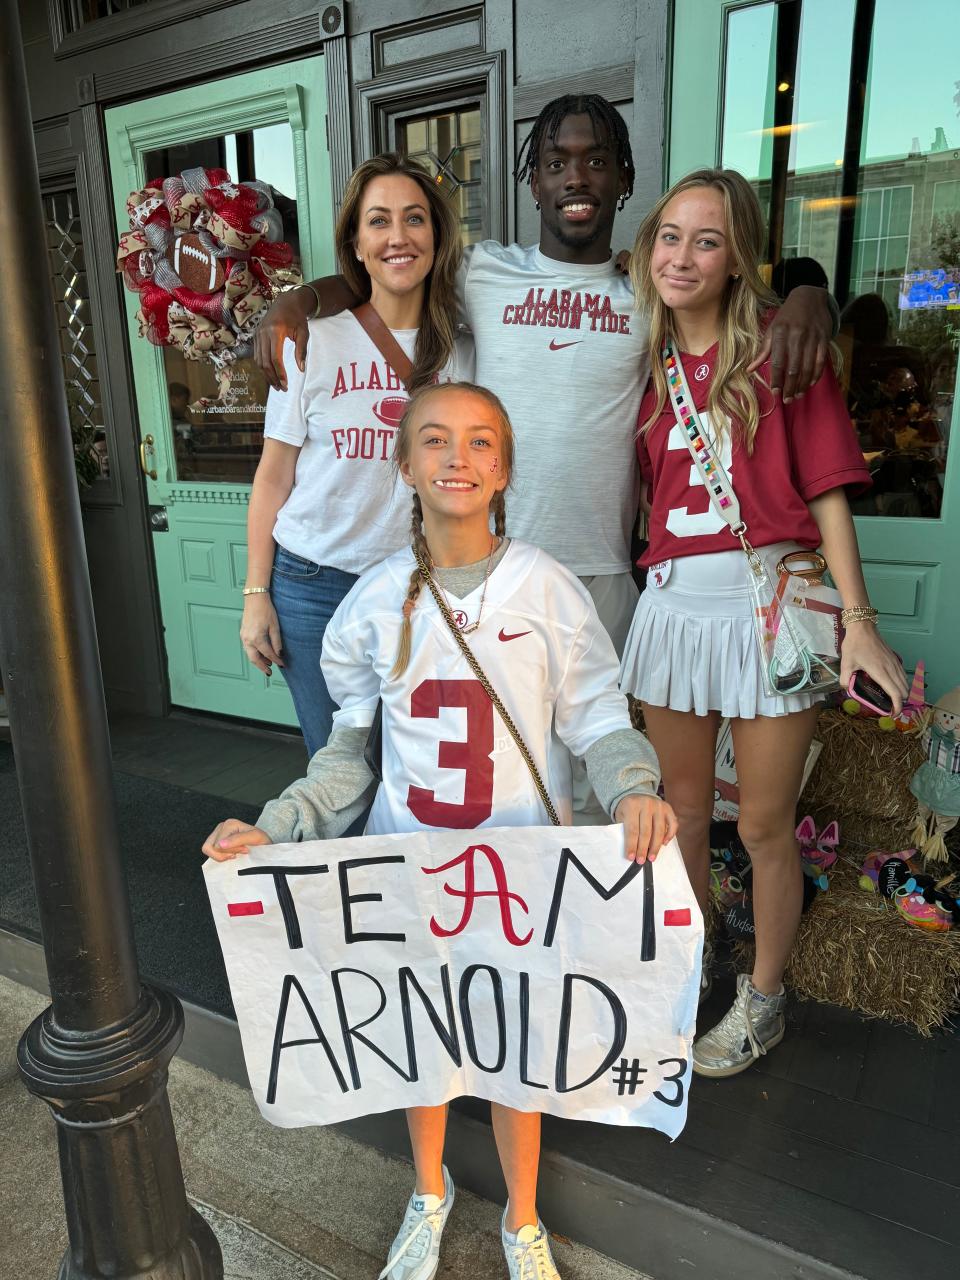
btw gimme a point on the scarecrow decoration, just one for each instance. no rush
(206, 256)
(936, 784)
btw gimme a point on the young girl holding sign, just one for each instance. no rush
(727, 461)
(398, 639)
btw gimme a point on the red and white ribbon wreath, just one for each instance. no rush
(206, 256)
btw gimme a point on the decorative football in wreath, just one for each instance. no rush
(205, 255)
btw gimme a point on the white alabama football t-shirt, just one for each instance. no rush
(347, 508)
(448, 760)
(565, 349)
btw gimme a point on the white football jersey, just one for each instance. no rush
(448, 760)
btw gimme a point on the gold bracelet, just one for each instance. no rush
(858, 613)
(307, 285)
(255, 591)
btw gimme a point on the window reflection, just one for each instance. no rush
(900, 275)
(222, 443)
(448, 145)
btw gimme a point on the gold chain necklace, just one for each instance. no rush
(469, 630)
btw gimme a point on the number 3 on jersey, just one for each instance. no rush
(474, 756)
(681, 521)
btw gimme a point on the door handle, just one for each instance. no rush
(145, 444)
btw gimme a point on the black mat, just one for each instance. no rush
(161, 830)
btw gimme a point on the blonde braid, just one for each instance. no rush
(499, 508)
(413, 591)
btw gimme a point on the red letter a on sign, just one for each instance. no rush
(470, 893)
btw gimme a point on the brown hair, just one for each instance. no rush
(747, 298)
(437, 323)
(401, 452)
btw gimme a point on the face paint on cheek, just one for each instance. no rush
(495, 466)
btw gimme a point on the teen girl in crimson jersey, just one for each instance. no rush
(535, 632)
(691, 657)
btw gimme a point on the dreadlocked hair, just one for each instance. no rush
(498, 507)
(733, 393)
(605, 118)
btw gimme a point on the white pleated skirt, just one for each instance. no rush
(691, 646)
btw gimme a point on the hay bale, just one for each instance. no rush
(855, 950)
(862, 779)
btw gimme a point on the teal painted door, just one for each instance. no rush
(269, 125)
(899, 279)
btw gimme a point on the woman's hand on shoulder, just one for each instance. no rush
(864, 650)
(648, 823)
(260, 632)
(796, 342)
(230, 837)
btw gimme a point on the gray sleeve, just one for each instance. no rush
(335, 792)
(620, 764)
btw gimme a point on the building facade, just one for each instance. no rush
(854, 152)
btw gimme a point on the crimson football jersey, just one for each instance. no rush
(800, 450)
(448, 760)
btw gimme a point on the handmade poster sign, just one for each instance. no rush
(532, 966)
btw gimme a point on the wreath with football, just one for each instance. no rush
(206, 255)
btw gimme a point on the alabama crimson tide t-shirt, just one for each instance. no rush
(565, 349)
(347, 508)
(800, 450)
(448, 760)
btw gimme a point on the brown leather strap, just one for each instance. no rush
(385, 342)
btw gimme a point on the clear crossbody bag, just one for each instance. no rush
(796, 618)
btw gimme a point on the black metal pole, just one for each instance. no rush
(788, 18)
(99, 1055)
(852, 145)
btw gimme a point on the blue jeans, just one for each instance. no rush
(305, 596)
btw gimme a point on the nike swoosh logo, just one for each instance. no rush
(558, 346)
(516, 635)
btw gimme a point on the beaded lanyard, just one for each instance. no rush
(714, 477)
(725, 502)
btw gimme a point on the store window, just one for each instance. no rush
(448, 144)
(68, 276)
(871, 201)
(223, 441)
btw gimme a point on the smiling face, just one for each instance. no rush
(454, 456)
(577, 182)
(692, 260)
(394, 235)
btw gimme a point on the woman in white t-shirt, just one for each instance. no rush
(326, 504)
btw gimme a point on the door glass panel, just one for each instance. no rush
(79, 13)
(899, 276)
(222, 442)
(448, 144)
(68, 275)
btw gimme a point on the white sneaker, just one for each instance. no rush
(528, 1253)
(415, 1253)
